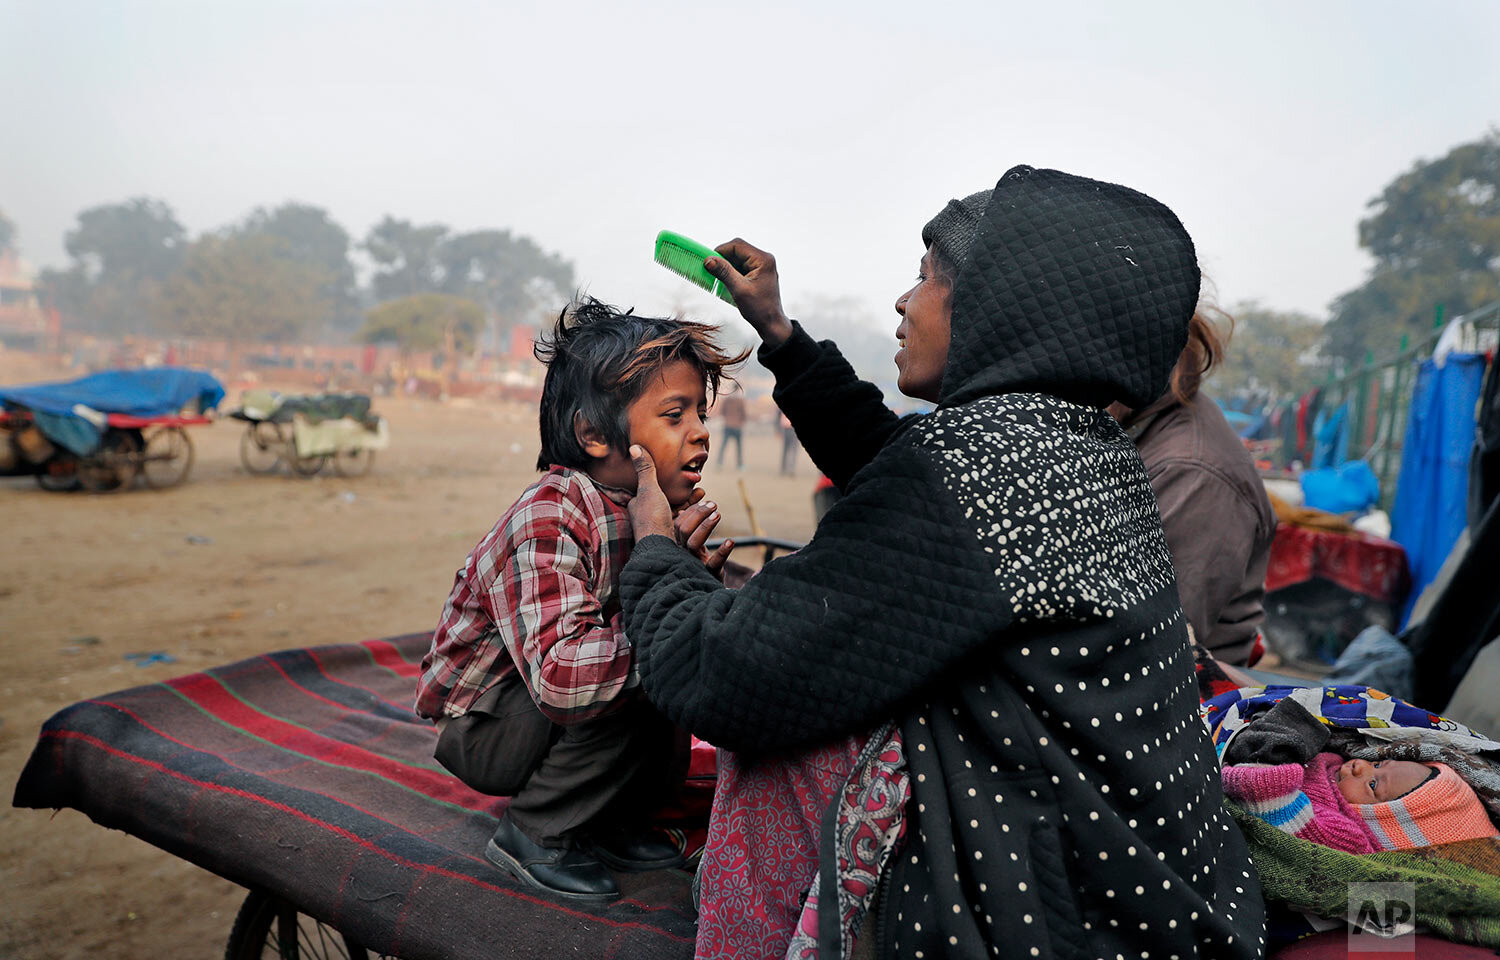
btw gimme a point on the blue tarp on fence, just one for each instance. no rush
(1331, 440)
(1432, 488)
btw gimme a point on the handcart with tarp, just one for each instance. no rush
(100, 432)
(308, 432)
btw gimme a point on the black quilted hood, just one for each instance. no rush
(1072, 287)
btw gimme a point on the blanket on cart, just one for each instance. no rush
(304, 773)
(312, 407)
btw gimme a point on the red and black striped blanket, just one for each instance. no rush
(305, 773)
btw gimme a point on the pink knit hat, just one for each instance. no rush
(1302, 799)
(1335, 823)
(1443, 809)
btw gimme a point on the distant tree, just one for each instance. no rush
(241, 288)
(427, 321)
(7, 233)
(122, 255)
(406, 258)
(1435, 235)
(509, 274)
(1270, 350)
(307, 235)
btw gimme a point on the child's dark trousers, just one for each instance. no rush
(615, 769)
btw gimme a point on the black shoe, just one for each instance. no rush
(634, 851)
(561, 870)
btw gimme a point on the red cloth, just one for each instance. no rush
(1302, 424)
(540, 590)
(126, 421)
(1358, 562)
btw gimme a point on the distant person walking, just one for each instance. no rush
(732, 414)
(789, 446)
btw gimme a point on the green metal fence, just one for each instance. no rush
(1379, 393)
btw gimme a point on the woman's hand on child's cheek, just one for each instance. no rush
(650, 513)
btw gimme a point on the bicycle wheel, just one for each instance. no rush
(59, 474)
(353, 463)
(113, 466)
(269, 928)
(308, 466)
(168, 458)
(260, 447)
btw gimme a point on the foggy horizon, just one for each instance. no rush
(827, 135)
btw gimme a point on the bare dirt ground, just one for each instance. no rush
(289, 562)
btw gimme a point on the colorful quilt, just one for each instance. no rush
(1374, 714)
(305, 773)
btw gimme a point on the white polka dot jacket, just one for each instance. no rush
(995, 579)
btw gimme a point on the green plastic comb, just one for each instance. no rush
(685, 257)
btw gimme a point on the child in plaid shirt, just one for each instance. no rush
(530, 677)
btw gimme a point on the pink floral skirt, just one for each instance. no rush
(756, 897)
(762, 851)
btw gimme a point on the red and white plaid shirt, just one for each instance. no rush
(541, 590)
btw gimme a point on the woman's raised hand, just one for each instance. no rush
(750, 275)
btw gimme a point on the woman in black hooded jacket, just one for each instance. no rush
(993, 593)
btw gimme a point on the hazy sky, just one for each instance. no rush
(826, 132)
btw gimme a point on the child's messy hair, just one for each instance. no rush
(598, 361)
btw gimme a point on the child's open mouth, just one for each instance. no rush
(693, 469)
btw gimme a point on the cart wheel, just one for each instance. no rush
(269, 928)
(168, 459)
(260, 447)
(308, 466)
(59, 474)
(352, 463)
(113, 466)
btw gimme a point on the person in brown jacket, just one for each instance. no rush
(1214, 510)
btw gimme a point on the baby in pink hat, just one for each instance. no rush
(1273, 768)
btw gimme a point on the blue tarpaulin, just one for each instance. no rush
(1348, 488)
(1237, 420)
(1432, 488)
(157, 392)
(143, 393)
(1331, 443)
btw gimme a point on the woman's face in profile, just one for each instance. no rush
(923, 333)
